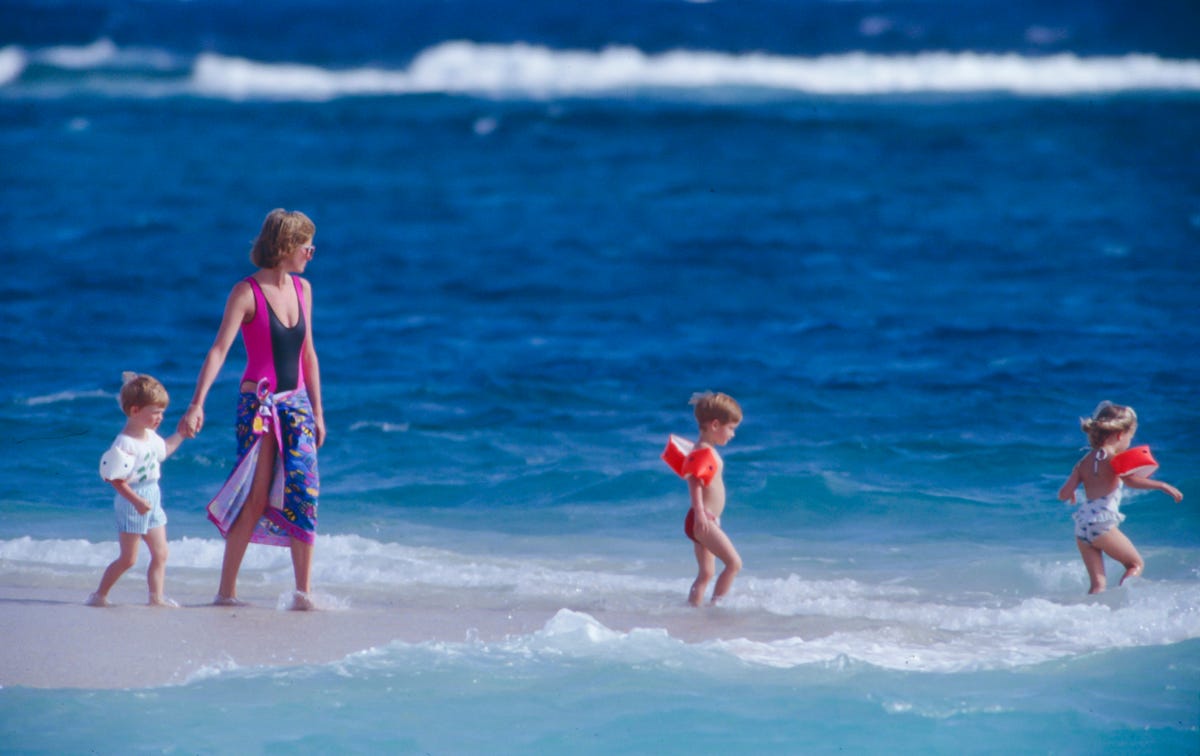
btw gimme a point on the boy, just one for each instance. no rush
(718, 416)
(132, 466)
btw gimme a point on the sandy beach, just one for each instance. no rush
(53, 640)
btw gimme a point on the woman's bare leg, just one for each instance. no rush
(238, 538)
(302, 567)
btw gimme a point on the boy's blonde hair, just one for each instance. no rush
(720, 407)
(1108, 419)
(142, 391)
(281, 231)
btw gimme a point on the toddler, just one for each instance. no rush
(1109, 430)
(718, 416)
(132, 466)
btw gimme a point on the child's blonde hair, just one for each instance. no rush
(142, 391)
(720, 407)
(281, 231)
(1108, 419)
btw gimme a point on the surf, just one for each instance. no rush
(528, 71)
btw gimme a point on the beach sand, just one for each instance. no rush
(53, 640)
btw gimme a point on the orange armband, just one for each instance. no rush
(1136, 461)
(686, 460)
(702, 465)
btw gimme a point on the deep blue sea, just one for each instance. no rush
(916, 239)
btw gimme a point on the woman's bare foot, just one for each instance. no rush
(97, 600)
(302, 602)
(163, 601)
(220, 600)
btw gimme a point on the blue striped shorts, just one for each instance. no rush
(129, 520)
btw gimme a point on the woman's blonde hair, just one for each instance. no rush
(281, 231)
(720, 407)
(1108, 419)
(142, 391)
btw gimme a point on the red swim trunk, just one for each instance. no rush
(689, 524)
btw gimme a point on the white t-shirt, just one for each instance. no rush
(134, 460)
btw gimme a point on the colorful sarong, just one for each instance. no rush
(292, 502)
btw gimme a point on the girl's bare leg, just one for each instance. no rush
(118, 567)
(1118, 546)
(1093, 560)
(252, 511)
(715, 540)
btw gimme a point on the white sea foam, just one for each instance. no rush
(385, 427)
(104, 53)
(521, 70)
(96, 54)
(67, 396)
(1013, 639)
(540, 72)
(12, 63)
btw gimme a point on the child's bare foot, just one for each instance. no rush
(163, 601)
(97, 600)
(302, 602)
(220, 600)
(1131, 572)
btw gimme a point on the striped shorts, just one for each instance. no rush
(129, 520)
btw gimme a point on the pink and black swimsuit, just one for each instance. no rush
(274, 351)
(274, 355)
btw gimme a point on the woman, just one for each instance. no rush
(271, 496)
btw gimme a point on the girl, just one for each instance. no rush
(1109, 430)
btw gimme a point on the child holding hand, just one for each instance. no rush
(1109, 430)
(132, 466)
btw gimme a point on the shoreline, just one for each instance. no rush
(53, 640)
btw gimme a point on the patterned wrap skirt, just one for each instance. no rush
(292, 502)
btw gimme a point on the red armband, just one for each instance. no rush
(685, 459)
(702, 465)
(676, 453)
(1136, 461)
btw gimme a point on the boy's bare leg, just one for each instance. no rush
(238, 537)
(1118, 546)
(707, 568)
(1093, 560)
(156, 542)
(119, 566)
(715, 541)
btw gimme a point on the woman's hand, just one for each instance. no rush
(192, 421)
(319, 430)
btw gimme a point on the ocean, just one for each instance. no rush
(916, 240)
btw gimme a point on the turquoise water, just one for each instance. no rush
(560, 690)
(537, 236)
